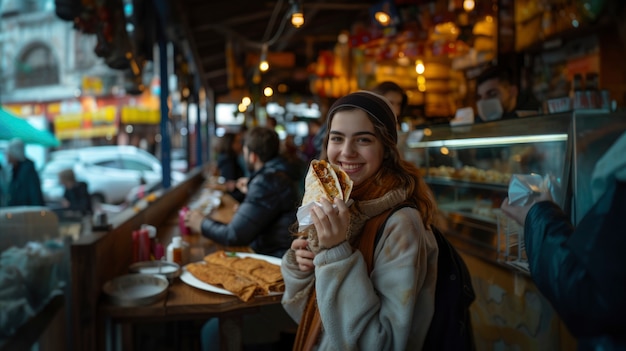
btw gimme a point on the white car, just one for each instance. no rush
(111, 172)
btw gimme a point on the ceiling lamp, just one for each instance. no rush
(419, 67)
(264, 65)
(468, 5)
(383, 18)
(297, 17)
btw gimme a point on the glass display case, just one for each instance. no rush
(469, 169)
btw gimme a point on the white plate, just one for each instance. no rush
(197, 283)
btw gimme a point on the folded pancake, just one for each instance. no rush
(325, 181)
(222, 277)
(264, 276)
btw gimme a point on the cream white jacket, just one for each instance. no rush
(390, 309)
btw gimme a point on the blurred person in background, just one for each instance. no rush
(25, 185)
(269, 207)
(396, 95)
(398, 100)
(296, 162)
(498, 97)
(582, 270)
(229, 151)
(309, 147)
(76, 197)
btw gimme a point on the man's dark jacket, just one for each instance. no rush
(582, 270)
(25, 186)
(263, 219)
(78, 197)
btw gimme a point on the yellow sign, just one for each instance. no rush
(99, 123)
(137, 115)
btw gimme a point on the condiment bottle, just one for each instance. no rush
(184, 230)
(175, 250)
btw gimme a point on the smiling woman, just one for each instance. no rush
(362, 141)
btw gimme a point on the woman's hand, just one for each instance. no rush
(304, 257)
(331, 223)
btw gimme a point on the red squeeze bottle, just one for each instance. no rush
(184, 230)
(145, 246)
(159, 251)
(135, 246)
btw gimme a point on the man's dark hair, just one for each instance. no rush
(264, 142)
(503, 74)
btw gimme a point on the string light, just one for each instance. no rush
(383, 18)
(264, 65)
(419, 67)
(468, 5)
(246, 101)
(297, 17)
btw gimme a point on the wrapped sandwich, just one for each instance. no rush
(323, 181)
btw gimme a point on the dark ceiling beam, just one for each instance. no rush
(215, 73)
(208, 59)
(236, 21)
(341, 7)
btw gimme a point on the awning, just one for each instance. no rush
(14, 127)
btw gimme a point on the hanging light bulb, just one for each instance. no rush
(264, 65)
(383, 18)
(297, 17)
(246, 101)
(419, 67)
(468, 5)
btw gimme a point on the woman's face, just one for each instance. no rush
(353, 145)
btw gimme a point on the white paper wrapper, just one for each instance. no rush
(523, 187)
(304, 214)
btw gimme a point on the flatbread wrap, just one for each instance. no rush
(324, 180)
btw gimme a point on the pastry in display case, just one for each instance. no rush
(469, 169)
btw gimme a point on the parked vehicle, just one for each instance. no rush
(111, 172)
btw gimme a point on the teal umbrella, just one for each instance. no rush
(12, 126)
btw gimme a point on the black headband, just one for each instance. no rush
(375, 105)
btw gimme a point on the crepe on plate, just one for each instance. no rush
(243, 276)
(325, 180)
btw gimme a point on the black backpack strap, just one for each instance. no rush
(450, 328)
(379, 231)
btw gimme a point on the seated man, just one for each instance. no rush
(76, 197)
(263, 218)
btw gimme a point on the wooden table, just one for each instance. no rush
(184, 302)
